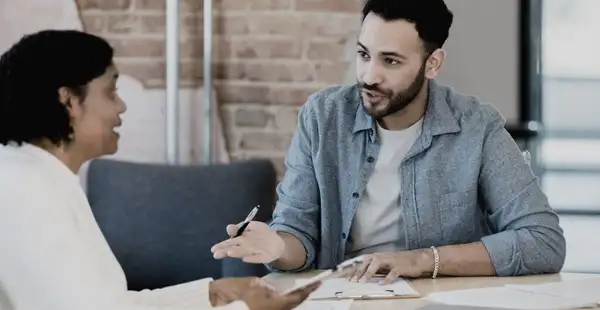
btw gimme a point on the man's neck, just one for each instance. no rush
(65, 153)
(408, 116)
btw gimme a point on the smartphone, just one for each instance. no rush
(340, 270)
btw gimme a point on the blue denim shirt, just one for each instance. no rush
(463, 180)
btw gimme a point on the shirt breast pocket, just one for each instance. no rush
(460, 216)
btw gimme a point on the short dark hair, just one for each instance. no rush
(432, 18)
(31, 73)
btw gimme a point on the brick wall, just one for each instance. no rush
(269, 55)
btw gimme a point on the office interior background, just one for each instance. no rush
(535, 60)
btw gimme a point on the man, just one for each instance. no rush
(59, 107)
(423, 180)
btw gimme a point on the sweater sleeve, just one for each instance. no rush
(47, 264)
(192, 295)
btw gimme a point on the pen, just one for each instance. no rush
(247, 221)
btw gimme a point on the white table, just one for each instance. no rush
(427, 286)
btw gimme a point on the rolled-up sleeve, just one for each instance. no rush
(528, 238)
(297, 209)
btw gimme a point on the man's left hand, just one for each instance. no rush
(411, 264)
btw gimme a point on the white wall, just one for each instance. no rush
(483, 52)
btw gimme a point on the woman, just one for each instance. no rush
(59, 108)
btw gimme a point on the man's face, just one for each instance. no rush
(390, 65)
(95, 119)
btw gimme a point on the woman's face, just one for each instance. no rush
(95, 119)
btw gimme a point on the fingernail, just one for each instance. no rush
(363, 280)
(354, 279)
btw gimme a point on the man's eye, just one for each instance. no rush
(392, 61)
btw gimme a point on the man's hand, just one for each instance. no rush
(228, 290)
(259, 244)
(264, 299)
(412, 264)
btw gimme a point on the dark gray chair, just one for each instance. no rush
(162, 220)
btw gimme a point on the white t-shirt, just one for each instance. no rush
(378, 223)
(53, 255)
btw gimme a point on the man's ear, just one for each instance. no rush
(435, 61)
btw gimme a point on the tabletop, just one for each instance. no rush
(427, 286)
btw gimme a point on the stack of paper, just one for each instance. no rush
(560, 295)
(585, 290)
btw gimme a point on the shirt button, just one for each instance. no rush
(343, 235)
(370, 159)
(355, 195)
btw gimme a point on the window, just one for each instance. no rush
(568, 149)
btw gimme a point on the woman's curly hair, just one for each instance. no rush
(31, 73)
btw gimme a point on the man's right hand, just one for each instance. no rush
(260, 298)
(259, 244)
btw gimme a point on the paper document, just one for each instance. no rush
(587, 290)
(507, 298)
(458, 307)
(325, 305)
(342, 288)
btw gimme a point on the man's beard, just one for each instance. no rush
(395, 102)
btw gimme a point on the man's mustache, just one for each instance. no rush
(373, 89)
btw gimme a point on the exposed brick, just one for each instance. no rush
(331, 73)
(93, 23)
(104, 4)
(253, 5)
(229, 128)
(230, 24)
(265, 141)
(329, 5)
(222, 49)
(229, 93)
(331, 51)
(138, 47)
(184, 5)
(290, 96)
(251, 117)
(269, 72)
(261, 48)
(147, 70)
(191, 48)
(278, 161)
(287, 23)
(285, 118)
(189, 25)
(339, 25)
(191, 70)
(152, 23)
(122, 23)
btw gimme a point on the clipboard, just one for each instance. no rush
(340, 270)
(341, 288)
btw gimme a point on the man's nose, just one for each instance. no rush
(373, 74)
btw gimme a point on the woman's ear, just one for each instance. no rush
(70, 101)
(64, 96)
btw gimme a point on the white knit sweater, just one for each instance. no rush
(53, 255)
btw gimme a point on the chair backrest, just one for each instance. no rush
(161, 220)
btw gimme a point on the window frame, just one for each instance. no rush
(531, 107)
